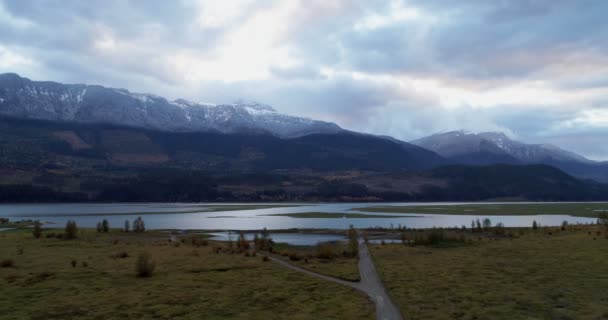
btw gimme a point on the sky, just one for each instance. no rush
(534, 69)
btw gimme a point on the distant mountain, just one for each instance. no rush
(495, 147)
(23, 98)
(30, 144)
(64, 161)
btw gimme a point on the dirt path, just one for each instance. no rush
(370, 283)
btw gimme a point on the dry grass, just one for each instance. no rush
(548, 274)
(44, 285)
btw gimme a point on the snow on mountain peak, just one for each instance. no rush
(83, 103)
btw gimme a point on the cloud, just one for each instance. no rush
(535, 69)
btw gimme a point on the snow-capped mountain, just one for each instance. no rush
(23, 98)
(459, 143)
(496, 147)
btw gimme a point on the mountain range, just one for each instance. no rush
(496, 147)
(45, 100)
(62, 142)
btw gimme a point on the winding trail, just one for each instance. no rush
(370, 283)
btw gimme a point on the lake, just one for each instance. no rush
(204, 216)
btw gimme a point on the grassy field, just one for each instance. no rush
(574, 209)
(331, 215)
(307, 257)
(189, 282)
(537, 275)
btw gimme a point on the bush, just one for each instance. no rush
(353, 243)
(7, 263)
(242, 243)
(325, 251)
(487, 224)
(144, 266)
(37, 231)
(499, 229)
(294, 256)
(139, 225)
(73, 263)
(265, 258)
(105, 226)
(71, 230)
(120, 255)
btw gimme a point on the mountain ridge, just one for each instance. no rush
(496, 147)
(46, 100)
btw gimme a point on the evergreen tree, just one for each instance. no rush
(105, 225)
(534, 225)
(487, 224)
(37, 231)
(71, 230)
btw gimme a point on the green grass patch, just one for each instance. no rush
(547, 274)
(590, 210)
(307, 257)
(188, 282)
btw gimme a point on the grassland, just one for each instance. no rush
(575, 209)
(339, 266)
(332, 215)
(189, 282)
(547, 274)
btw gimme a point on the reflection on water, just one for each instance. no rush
(298, 239)
(195, 216)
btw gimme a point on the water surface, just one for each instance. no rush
(197, 216)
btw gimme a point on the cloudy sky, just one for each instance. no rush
(535, 69)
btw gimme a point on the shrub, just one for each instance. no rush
(144, 266)
(499, 229)
(139, 225)
(50, 235)
(37, 231)
(71, 230)
(325, 251)
(120, 255)
(564, 225)
(85, 264)
(294, 256)
(353, 243)
(534, 225)
(487, 224)
(73, 263)
(7, 263)
(242, 242)
(99, 227)
(105, 226)
(265, 241)
(265, 258)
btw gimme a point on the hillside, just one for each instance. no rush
(61, 161)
